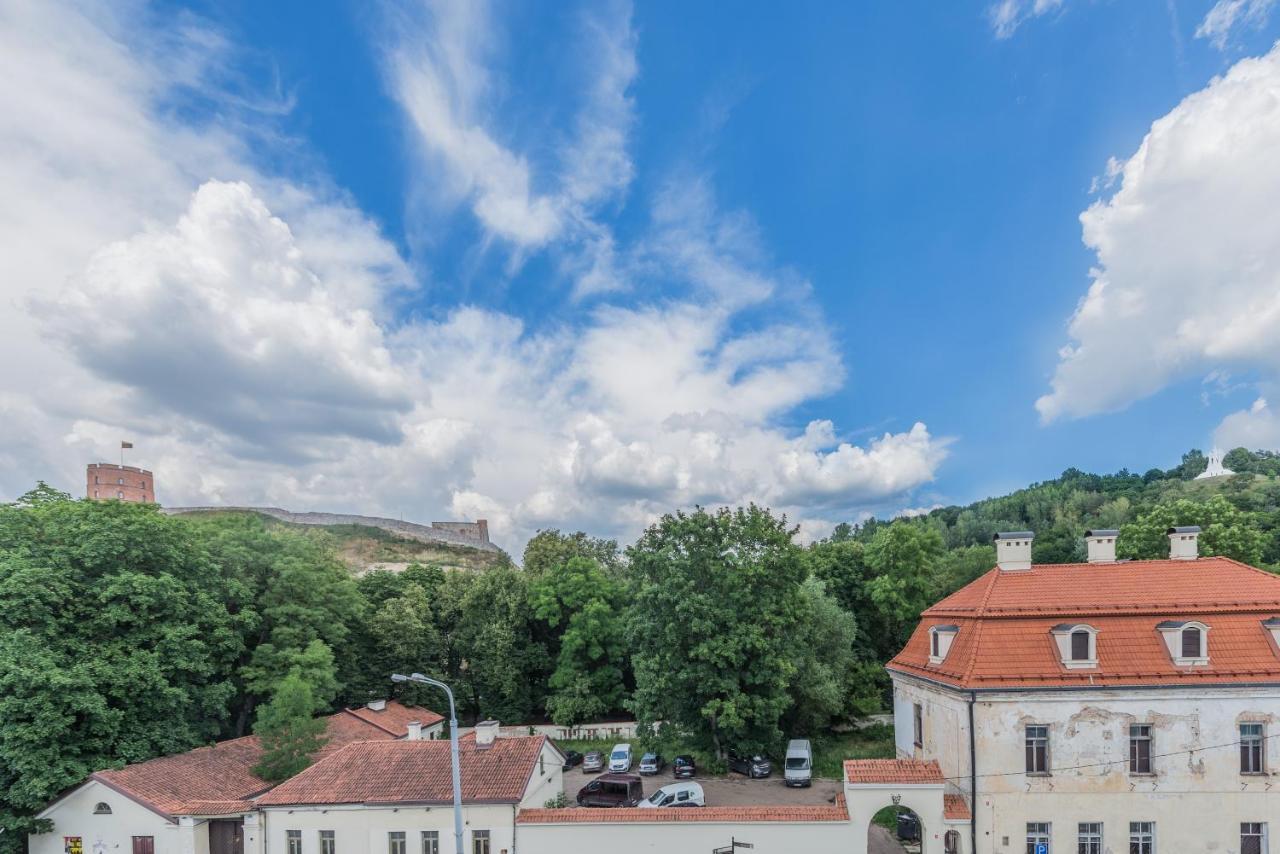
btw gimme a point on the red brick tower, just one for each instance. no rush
(108, 481)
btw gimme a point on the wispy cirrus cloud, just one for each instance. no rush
(1229, 16)
(1006, 16)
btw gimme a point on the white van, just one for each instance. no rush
(798, 767)
(620, 758)
(676, 795)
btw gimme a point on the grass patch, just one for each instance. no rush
(830, 751)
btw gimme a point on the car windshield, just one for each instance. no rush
(619, 754)
(683, 760)
(648, 757)
(657, 798)
(759, 760)
(797, 763)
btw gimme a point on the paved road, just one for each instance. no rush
(881, 841)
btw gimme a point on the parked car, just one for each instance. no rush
(620, 758)
(683, 767)
(797, 768)
(754, 766)
(612, 790)
(908, 827)
(676, 795)
(593, 762)
(571, 759)
(652, 763)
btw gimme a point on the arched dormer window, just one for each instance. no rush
(1187, 641)
(1192, 643)
(1077, 645)
(1080, 645)
(102, 808)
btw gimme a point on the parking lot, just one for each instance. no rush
(730, 790)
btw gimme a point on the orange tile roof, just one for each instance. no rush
(725, 815)
(420, 772)
(1004, 620)
(955, 808)
(219, 779)
(897, 771)
(395, 718)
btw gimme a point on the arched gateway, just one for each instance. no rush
(914, 784)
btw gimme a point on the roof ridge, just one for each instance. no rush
(977, 631)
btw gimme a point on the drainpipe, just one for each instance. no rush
(515, 809)
(973, 779)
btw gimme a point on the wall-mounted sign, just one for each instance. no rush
(72, 845)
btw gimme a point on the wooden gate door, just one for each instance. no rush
(226, 836)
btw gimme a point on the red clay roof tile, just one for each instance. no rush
(1005, 619)
(899, 771)
(389, 772)
(955, 808)
(215, 780)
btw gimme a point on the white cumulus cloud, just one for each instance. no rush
(1188, 252)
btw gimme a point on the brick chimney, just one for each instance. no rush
(1102, 545)
(1013, 550)
(1184, 542)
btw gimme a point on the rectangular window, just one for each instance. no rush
(328, 844)
(1079, 646)
(430, 842)
(1251, 755)
(143, 844)
(919, 725)
(1191, 643)
(1140, 749)
(479, 842)
(1142, 837)
(293, 841)
(933, 650)
(1090, 838)
(1037, 836)
(395, 842)
(1037, 749)
(1253, 838)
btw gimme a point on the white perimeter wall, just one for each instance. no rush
(686, 837)
(363, 830)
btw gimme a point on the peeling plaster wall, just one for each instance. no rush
(1196, 800)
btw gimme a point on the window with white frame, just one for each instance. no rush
(395, 842)
(430, 842)
(480, 842)
(1037, 738)
(1252, 755)
(1037, 835)
(1253, 837)
(1089, 836)
(1142, 837)
(1077, 645)
(293, 841)
(328, 842)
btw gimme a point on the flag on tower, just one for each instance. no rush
(124, 445)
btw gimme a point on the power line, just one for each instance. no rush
(966, 777)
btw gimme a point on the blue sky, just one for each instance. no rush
(610, 260)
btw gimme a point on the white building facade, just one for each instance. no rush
(1103, 707)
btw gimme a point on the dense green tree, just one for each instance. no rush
(550, 548)
(831, 680)
(584, 605)
(904, 557)
(112, 647)
(289, 729)
(714, 625)
(406, 640)
(1224, 530)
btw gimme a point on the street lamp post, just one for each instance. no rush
(453, 750)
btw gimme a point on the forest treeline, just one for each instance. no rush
(127, 634)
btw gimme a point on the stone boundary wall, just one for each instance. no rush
(608, 730)
(411, 530)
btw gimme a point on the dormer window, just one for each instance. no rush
(1272, 626)
(1077, 645)
(1187, 642)
(1191, 639)
(1080, 645)
(940, 638)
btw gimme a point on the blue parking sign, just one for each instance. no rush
(1042, 848)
